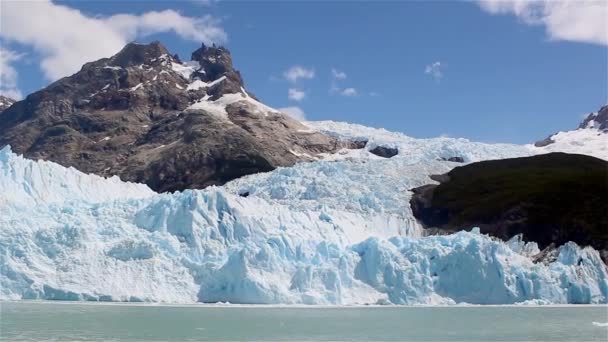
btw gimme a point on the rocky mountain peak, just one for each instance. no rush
(598, 120)
(594, 121)
(215, 63)
(145, 116)
(136, 54)
(6, 102)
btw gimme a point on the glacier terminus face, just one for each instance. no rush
(337, 230)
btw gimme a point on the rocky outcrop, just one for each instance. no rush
(147, 117)
(550, 199)
(597, 120)
(5, 102)
(216, 63)
(357, 144)
(454, 159)
(542, 143)
(384, 151)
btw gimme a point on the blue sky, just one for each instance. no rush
(462, 69)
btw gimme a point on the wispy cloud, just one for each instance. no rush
(295, 112)
(297, 72)
(8, 74)
(435, 70)
(338, 75)
(67, 38)
(204, 2)
(349, 92)
(336, 88)
(576, 21)
(296, 94)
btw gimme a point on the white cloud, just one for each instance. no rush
(435, 70)
(8, 74)
(577, 21)
(295, 112)
(296, 72)
(67, 38)
(373, 94)
(338, 75)
(296, 94)
(349, 92)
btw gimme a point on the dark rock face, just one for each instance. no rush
(5, 102)
(550, 199)
(357, 144)
(385, 152)
(454, 159)
(544, 142)
(216, 62)
(131, 115)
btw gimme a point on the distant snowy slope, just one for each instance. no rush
(412, 148)
(590, 138)
(589, 141)
(37, 182)
(324, 232)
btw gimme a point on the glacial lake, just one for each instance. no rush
(64, 321)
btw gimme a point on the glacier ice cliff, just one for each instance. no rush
(332, 231)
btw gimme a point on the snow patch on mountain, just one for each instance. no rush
(185, 69)
(218, 107)
(590, 141)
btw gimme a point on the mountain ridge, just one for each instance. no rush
(145, 116)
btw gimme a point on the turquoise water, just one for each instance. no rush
(33, 321)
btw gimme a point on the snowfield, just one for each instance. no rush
(590, 141)
(333, 231)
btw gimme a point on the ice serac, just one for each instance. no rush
(325, 232)
(28, 182)
(147, 117)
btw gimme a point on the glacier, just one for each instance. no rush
(335, 231)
